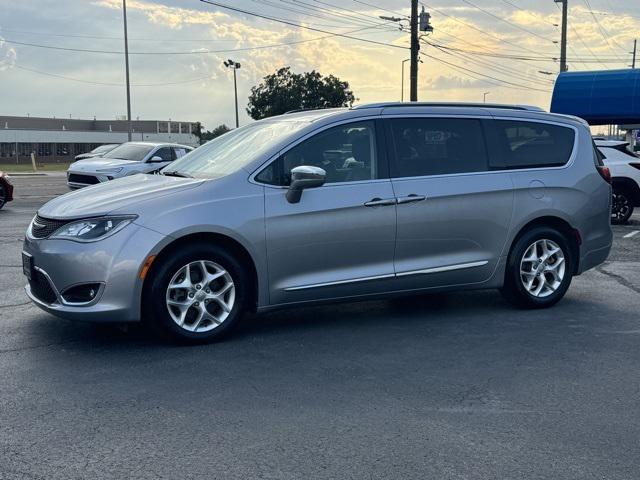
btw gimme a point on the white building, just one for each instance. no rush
(60, 139)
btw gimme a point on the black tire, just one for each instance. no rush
(621, 206)
(3, 196)
(514, 289)
(156, 312)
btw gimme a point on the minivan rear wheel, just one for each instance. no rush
(197, 294)
(539, 269)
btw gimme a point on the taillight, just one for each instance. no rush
(604, 173)
(635, 165)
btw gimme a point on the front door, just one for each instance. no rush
(453, 213)
(339, 239)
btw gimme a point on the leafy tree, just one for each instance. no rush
(205, 136)
(284, 91)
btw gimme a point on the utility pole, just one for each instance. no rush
(415, 48)
(635, 46)
(563, 39)
(126, 63)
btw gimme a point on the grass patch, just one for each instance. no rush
(27, 168)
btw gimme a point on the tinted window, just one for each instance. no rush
(519, 144)
(235, 149)
(347, 153)
(437, 146)
(129, 151)
(165, 153)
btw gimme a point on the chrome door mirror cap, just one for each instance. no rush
(302, 177)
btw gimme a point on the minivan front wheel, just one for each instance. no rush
(198, 294)
(539, 269)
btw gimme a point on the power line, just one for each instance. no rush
(203, 51)
(470, 72)
(377, 7)
(108, 84)
(487, 12)
(483, 32)
(518, 75)
(603, 32)
(293, 24)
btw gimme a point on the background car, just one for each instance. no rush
(124, 160)
(6, 189)
(625, 171)
(97, 152)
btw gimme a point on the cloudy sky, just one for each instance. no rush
(177, 49)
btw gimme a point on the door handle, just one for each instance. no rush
(411, 198)
(379, 202)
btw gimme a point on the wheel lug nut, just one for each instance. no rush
(191, 295)
(208, 291)
(197, 304)
(198, 287)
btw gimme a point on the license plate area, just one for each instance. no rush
(27, 265)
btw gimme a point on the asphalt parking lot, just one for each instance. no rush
(455, 386)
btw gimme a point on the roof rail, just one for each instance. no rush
(448, 104)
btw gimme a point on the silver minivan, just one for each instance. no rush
(326, 205)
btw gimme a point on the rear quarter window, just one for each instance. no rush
(518, 144)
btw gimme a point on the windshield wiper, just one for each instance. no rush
(175, 173)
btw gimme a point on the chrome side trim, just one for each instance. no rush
(447, 268)
(339, 282)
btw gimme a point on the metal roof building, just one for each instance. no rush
(60, 139)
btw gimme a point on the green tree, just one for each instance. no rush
(284, 91)
(205, 136)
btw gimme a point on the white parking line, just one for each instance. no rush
(632, 234)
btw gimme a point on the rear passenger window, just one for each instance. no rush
(519, 144)
(437, 146)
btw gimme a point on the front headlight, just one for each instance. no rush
(109, 170)
(92, 229)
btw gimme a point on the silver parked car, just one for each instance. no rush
(328, 205)
(124, 160)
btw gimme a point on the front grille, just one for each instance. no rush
(86, 179)
(43, 227)
(41, 288)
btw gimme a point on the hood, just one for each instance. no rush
(123, 195)
(95, 163)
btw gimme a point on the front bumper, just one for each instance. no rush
(114, 263)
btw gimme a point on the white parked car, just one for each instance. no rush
(624, 166)
(124, 160)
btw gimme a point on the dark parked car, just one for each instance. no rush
(97, 152)
(6, 189)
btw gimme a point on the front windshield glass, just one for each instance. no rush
(134, 152)
(103, 148)
(232, 151)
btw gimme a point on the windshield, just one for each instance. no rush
(232, 151)
(103, 148)
(134, 152)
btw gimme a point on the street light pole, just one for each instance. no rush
(485, 96)
(235, 66)
(126, 63)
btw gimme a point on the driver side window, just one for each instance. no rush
(164, 153)
(347, 153)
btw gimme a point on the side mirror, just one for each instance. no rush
(157, 158)
(303, 177)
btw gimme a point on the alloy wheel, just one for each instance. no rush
(200, 296)
(542, 268)
(620, 208)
